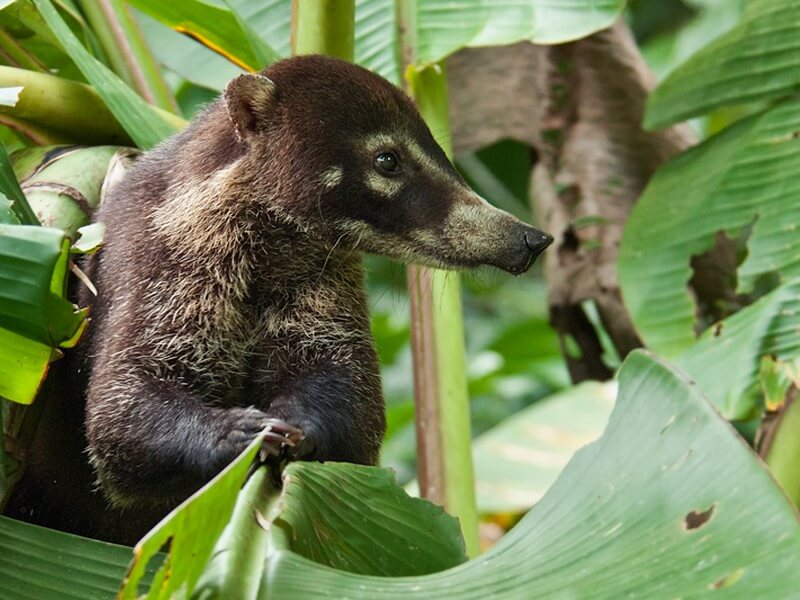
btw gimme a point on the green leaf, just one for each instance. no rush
(215, 27)
(191, 529)
(743, 176)
(9, 187)
(33, 268)
(726, 360)
(757, 60)
(662, 471)
(444, 27)
(23, 366)
(43, 564)
(390, 534)
(145, 126)
(517, 461)
(394, 535)
(6, 211)
(90, 240)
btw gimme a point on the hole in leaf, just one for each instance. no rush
(714, 279)
(729, 580)
(696, 519)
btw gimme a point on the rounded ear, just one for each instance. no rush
(248, 98)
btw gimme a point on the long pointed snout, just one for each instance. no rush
(481, 234)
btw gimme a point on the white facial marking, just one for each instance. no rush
(332, 177)
(385, 186)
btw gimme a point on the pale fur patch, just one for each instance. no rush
(332, 177)
(385, 186)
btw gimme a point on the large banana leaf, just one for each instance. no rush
(517, 461)
(42, 564)
(757, 60)
(441, 27)
(647, 511)
(744, 176)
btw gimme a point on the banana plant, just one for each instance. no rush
(734, 201)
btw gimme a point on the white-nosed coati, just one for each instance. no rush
(231, 292)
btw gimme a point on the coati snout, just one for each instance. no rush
(373, 177)
(231, 292)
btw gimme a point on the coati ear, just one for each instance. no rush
(248, 99)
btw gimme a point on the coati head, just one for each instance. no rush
(359, 169)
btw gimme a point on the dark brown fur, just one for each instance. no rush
(231, 289)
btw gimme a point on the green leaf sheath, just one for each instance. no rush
(324, 27)
(439, 326)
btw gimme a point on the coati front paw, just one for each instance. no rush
(245, 424)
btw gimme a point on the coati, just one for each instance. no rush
(231, 292)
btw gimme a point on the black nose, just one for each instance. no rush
(537, 241)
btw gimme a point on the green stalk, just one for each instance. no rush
(72, 109)
(127, 51)
(440, 380)
(17, 55)
(323, 27)
(783, 456)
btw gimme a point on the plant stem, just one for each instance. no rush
(444, 439)
(125, 46)
(17, 55)
(783, 454)
(323, 27)
(72, 109)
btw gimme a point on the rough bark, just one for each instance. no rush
(580, 106)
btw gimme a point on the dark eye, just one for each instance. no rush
(387, 162)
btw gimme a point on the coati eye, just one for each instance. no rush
(387, 162)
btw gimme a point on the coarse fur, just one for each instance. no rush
(231, 289)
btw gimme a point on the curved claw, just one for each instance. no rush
(289, 432)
